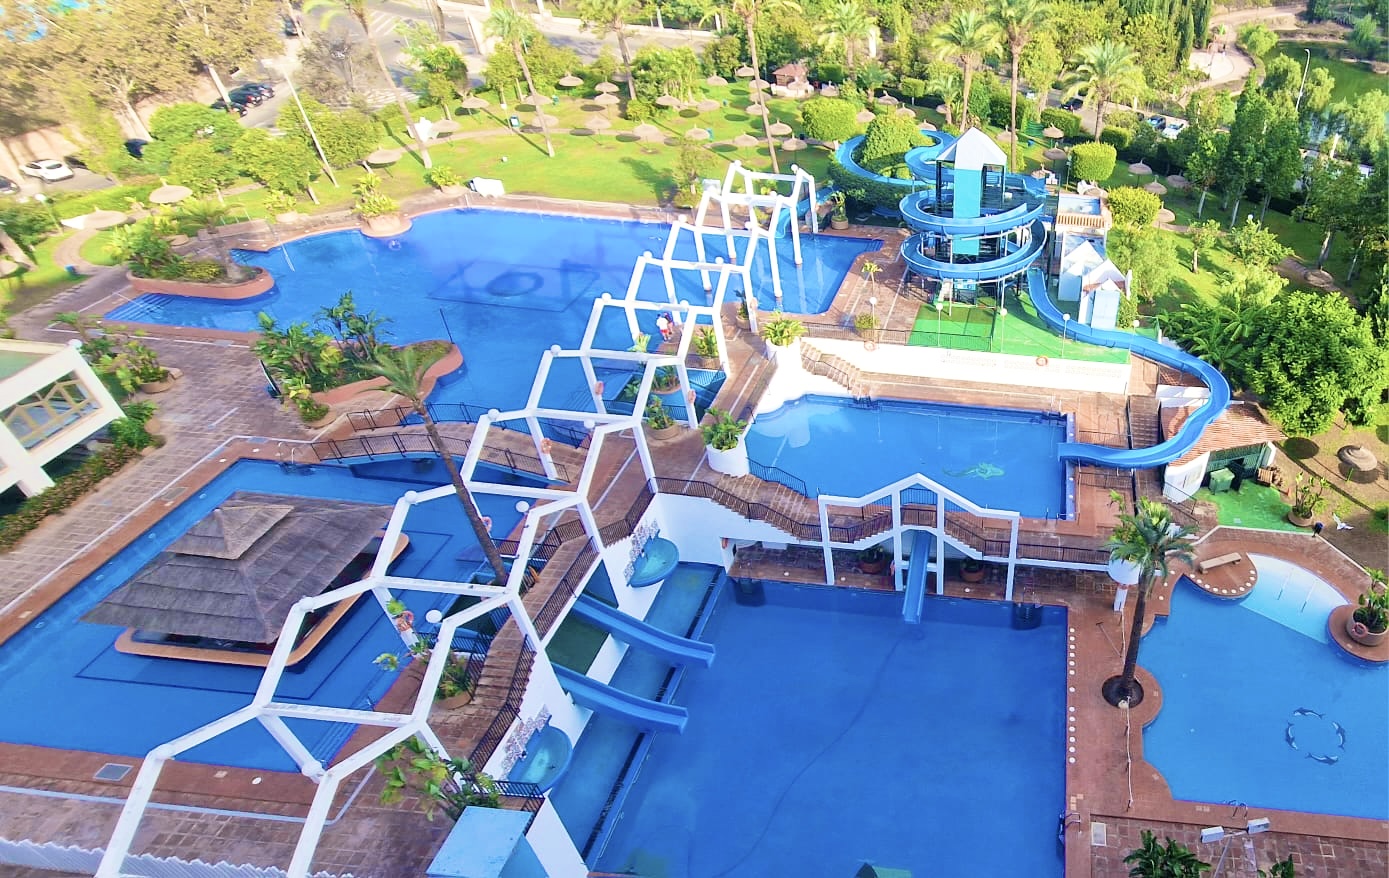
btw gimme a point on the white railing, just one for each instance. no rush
(70, 858)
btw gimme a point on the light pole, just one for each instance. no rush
(44, 200)
(939, 306)
(318, 147)
(1212, 834)
(1002, 318)
(1065, 324)
(1305, 67)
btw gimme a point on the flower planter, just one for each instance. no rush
(453, 191)
(663, 433)
(972, 574)
(292, 216)
(257, 284)
(785, 356)
(1362, 635)
(347, 392)
(733, 462)
(453, 702)
(386, 226)
(1300, 520)
(163, 384)
(873, 568)
(839, 224)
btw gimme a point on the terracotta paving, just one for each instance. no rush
(221, 396)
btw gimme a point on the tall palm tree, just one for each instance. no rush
(404, 372)
(843, 24)
(966, 38)
(605, 17)
(1149, 538)
(1017, 20)
(750, 12)
(208, 214)
(1107, 71)
(517, 31)
(944, 80)
(357, 9)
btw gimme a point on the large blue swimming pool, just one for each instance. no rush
(69, 674)
(999, 458)
(1293, 722)
(503, 285)
(829, 733)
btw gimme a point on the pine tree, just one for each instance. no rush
(1184, 40)
(1201, 23)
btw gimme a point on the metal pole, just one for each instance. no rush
(327, 168)
(1305, 67)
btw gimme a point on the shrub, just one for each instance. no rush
(278, 202)
(1122, 119)
(863, 190)
(1119, 138)
(888, 139)
(66, 491)
(912, 88)
(1128, 311)
(441, 177)
(723, 432)
(1133, 207)
(641, 110)
(829, 119)
(825, 71)
(781, 330)
(1067, 122)
(1092, 161)
(201, 270)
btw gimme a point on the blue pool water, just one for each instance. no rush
(997, 458)
(1311, 723)
(503, 285)
(829, 733)
(143, 702)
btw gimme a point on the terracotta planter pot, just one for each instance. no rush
(839, 224)
(1369, 638)
(1300, 521)
(286, 218)
(159, 386)
(664, 433)
(454, 190)
(258, 283)
(386, 226)
(454, 702)
(873, 568)
(969, 574)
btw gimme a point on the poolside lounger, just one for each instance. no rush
(1218, 561)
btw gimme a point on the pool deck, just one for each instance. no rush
(221, 396)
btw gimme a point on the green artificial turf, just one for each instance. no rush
(1252, 506)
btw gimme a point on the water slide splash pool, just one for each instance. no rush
(1189, 432)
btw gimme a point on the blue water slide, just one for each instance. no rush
(916, 588)
(916, 211)
(783, 225)
(680, 650)
(939, 141)
(1191, 429)
(1010, 263)
(645, 714)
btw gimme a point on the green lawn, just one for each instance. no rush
(1351, 79)
(1252, 506)
(979, 328)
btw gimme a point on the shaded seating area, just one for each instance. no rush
(222, 591)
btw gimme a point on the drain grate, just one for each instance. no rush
(113, 772)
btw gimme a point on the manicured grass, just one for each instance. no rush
(97, 249)
(48, 278)
(1351, 79)
(1022, 332)
(1252, 506)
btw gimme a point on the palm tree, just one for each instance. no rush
(1016, 21)
(945, 81)
(843, 23)
(605, 17)
(517, 31)
(1107, 71)
(358, 10)
(750, 11)
(404, 372)
(1150, 539)
(208, 214)
(966, 38)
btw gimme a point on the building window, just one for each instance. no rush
(39, 416)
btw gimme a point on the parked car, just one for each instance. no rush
(48, 170)
(1073, 105)
(1158, 121)
(8, 186)
(264, 89)
(244, 94)
(136, 147)
(1173, 128)
(292, 28)
(234, 107)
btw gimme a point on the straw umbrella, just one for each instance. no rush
(104, 219)
(757, 110)
(745, 72)
(1004, 136)
(647, 131)
(473, 103)
(169, 194)
(383, 157)
(780, 129)
(697, 134)
(1177, 181)
(906, 112)
(569, 80)
(8, 266)
(708, 105)
(446, 126)
(745, 141)
(888, 100)
(607, 101)
(598, 124)
(759, 84)
(1358, 460)
(1156, 188)
(1051, 132)
(829, 91)
(1054, 154)
(667, 101)
(793, 144)
(865, 116)
(1138, 169)
(1163, 216)
(715, 81)
(927, 126)
(547, 119)
(605, 87)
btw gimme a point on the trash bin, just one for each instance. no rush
(72, 271)
(1221, 479)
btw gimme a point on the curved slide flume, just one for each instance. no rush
(1191, 429)
(1008, 264)
(643, 713)
(631, 630)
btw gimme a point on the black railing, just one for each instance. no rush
(507, 713)
(395, 444)
(620, 530)
(461, 412)
(780, 476)
(565, 589)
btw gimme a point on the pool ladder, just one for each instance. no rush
(291, 466)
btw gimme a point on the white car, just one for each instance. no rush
(48, 170)
(1173, 128)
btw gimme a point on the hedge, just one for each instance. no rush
(1092, 161)
(1119, 138)
(863, 190)
(1067, 122)
(66, 491)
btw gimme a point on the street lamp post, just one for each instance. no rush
(318, 147)
(46, 202)
(1002, 317)
(1065, 324)
(939, 306)
(1305, 67)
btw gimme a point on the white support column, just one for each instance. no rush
(542, 447)
(308, 765)
(899, 581)
(938, 533)
(1012, 560)
(825, 542)
(118, 848)
(776, 269)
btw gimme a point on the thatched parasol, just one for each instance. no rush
(927, 126)
(829, 91)
(1138, 169)
(888, 100)
(384, 157)
(1177, 181)
(793, 144)
(569, 80)
(697, 134)
(745, 141)
(534, 100)
(169, 194)
(667, 101)
(745, 72)
(605, 87)
(598, 123)
(759, 84)
(778, 129)
(756, 110)
(865, 116)
(1004, 136)
(647, 131)
(446, 126)
(942, 109)
(236, 574)
(8, 266)
(1358, 459)
(1156, 188)
(607, 100)
(473, 102)
(906, 112)
(1054, 153)
(715, 81)
(708, 105)
(1163, 216)
(1053, 132)
(104, 219)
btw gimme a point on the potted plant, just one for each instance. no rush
(742, 318)
(379, 211)
(706, 348)
(666, 380)
(1307, 499)
(1369, 624)
(868, 326)
(456, 685)
(839, 214)
(659, 423)
(972, 570)
(874, 559)
(282, 206)
(445, 180)
(782, 334)
(723, 438)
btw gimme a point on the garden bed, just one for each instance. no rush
(257, 285)
(347, 392)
